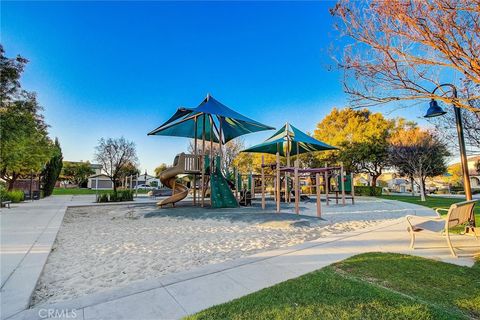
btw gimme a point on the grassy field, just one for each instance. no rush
(434, 202)
(81, 191)
(367, 286)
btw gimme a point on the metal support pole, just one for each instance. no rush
(263, 183)
(278, 182)
(319, 200)
(297, 189)
(342, 183)
(195, 153)
(203, 164)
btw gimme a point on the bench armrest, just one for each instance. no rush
(441, 209)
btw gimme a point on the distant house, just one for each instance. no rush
(98, 180)
(473, 172)
(149, 181)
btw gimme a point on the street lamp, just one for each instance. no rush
(434, 111)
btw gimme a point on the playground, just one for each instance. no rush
(211, 125)
(130, 243)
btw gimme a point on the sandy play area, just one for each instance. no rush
(102, 247)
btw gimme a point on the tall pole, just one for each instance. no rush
(319, 200)
(195, 153)
(263, 183)
(278, 181)
(297, 189)
(203, 160)
(342, 183)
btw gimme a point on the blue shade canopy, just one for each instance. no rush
(216, 115)
(289, 141)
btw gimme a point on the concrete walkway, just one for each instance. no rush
(176, 295)
(28, 231)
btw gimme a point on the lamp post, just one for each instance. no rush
(434, 111)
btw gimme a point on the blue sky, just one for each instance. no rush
(104, 69)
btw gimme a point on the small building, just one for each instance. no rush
(99, 182)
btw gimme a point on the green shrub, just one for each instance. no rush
(368, 191)
(15, 195)
(102, 197)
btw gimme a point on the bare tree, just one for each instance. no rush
(114, 155)
(230, 151)
(418, 154)
(402, 49)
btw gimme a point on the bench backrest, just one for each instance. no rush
(460, 213)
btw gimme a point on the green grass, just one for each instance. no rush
(367, 286)
(434, 202)
(81, 191)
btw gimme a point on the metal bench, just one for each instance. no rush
(6, 204)
(458, 214)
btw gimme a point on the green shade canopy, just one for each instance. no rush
(215, 115)
(289, 141)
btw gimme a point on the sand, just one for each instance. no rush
(103, 247)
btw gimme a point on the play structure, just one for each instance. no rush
(209, 123)
(287, 142)
(213, 124)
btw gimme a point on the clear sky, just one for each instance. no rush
(104, 69)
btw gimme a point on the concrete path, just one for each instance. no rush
(28, 231)
(174, 296)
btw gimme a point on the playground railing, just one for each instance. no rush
(192, 163)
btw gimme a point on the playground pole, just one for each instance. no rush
(196, 163)
(342, 175)
(278, 182)
(203, 160)
(352, 188)
(319, 202)
(263, 183)
(287, 175)
(326, 185)
(297, 191)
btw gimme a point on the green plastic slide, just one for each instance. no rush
(220, 193)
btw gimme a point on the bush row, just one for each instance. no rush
(15, 195)
(368, 191)
(116, 196)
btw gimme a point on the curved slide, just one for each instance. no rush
(168, 178)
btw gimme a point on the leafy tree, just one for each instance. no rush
(52, 170)
(400, 50)
(418, 154)
(113, 155)
(129, 169)
(158, 170)
(77, 172)
(24, 145)
(361, 136)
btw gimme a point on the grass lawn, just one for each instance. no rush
(366, 286)
(81, 191)
(435, 202)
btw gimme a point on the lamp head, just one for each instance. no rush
(434, 110)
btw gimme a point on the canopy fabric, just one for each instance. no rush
(232, 123)
(286, 140)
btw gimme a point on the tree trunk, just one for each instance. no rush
(422, 190)
(373, 183)
(412, 183)
(12, 181)
(114, 184)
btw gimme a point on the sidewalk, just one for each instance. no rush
(174, 296)
(28, 231)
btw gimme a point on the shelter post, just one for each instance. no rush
(278, 182)
(263, 183)
(195, 153)
(319, 202)
(326, 186)
(297, 187)
(352, 188)
(203, 162)
(342, 183)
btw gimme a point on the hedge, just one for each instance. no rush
(367, 191)
(15, 195)
(116, 196)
